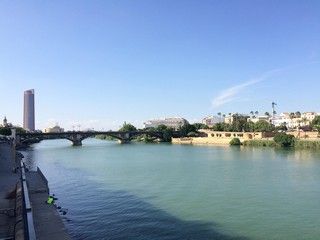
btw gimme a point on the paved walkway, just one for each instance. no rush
(8, 181)
(47, 220)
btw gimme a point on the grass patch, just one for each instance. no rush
(306, 144)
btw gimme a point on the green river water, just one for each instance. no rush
(164, 191)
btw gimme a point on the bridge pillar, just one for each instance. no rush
(76, 142)
(76, 139)
(124, 141)
(125, 138)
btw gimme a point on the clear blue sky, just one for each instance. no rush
(99, 63)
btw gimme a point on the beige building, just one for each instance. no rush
(217, 137)
(230, 118)
(308, 135)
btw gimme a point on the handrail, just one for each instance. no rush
(30, 233)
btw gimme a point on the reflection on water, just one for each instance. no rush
(162, 191)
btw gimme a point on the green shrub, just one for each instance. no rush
(192, 134)
(260, 143)
(235, 142)
(284, 140)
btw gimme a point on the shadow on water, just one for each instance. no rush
(122, 215)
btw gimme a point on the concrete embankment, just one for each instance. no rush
(23, 196)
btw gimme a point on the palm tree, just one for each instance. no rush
(267, 114)
(252, 113)
(273, 109)
(256, 112)
(219, 114)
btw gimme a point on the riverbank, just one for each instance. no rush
(23, 195)
(307, 140)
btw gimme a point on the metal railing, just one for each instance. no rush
(29, 230)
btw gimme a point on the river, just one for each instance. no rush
(164, 191)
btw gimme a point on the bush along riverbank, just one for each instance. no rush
(283, 140)
(260, 143)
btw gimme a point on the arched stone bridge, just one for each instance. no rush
(76, 137)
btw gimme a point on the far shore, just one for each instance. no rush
(307, 140)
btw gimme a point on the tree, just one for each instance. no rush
(235, 142)
(192, 134)
(282, 127)
(298, 114)
(238, 123)
(284, 140)
(249, 127)
(316, 123)
(127, 127)
(263, 126)
(218, 127)
(200, 126)
(186, 128)
(267, 114)
(161, 128)
(5, 131)
(256, 112)
(167, 134)
(20, 130)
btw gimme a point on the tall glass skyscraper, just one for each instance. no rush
(28, 110)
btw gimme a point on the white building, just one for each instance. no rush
(173, 122)
(55, 129)
(211, 120)
(309, 116)
(230, 118)
(294, 122)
